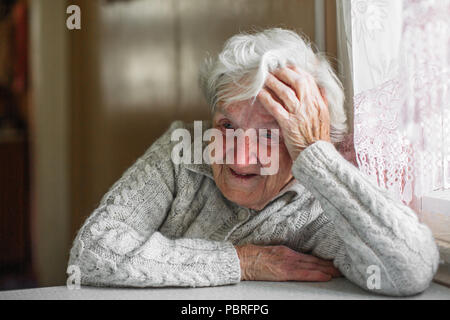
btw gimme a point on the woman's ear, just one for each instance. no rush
(324, 96)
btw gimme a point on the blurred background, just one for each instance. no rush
(77, 107)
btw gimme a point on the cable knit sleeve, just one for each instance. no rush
(119, 244)
(364, 229)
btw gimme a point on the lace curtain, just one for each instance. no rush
(399, 56)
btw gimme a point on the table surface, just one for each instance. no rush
(337, 289)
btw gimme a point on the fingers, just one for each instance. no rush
(324, 118)
(313, 99)
(312, 259)
(311, 275)
(284, 92)
(280, 263)
(294, 99)
(272, 106)
(308, 92)
(293, 79)
(310, 262)
(331, 270)
(303, 83)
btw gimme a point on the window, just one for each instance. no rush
(399, 66)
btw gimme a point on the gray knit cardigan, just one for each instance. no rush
(163, 224)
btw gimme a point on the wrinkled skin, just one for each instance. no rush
(256, 191)
(280, 263)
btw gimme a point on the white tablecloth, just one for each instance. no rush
(336, 289)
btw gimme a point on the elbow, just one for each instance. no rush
(74, 270)
(85, 267)
(403, 283)
(408, 274)
(416, 277)
(414, 282)
(415, 274)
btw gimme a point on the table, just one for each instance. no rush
(339, 288)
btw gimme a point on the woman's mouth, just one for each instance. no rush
(243, 176)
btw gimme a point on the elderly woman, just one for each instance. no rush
(317, 217)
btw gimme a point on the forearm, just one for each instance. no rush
(157, 261)
(375, 229)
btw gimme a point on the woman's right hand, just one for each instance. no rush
(280, 263)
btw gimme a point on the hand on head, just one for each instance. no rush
(300, 108)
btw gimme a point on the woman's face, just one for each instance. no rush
(241, 181)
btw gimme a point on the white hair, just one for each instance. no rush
(240, 70)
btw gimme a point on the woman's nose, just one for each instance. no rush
(245, 151)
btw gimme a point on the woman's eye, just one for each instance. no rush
(267, 134)
(228, 125)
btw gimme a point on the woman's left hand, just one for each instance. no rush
(296, 102)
